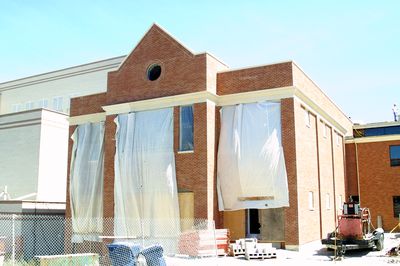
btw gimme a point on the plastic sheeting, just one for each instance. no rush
(86, 182)
(146, 198)
(251, 165)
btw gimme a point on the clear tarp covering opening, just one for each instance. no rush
(251, 165)
(145, 193)
(86, 182)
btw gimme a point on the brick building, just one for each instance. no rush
(372, 163)
(161, 73)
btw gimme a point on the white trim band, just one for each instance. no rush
(91, 118)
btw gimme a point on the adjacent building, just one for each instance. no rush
(372, 162)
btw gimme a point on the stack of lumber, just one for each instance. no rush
(203, 243)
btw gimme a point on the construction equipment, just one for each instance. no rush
(354, 231)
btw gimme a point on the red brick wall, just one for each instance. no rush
(378, 181)
(289, 149)
(256, 78)
(191, 167)
(351, 170)
(90, 104)
(182, 72)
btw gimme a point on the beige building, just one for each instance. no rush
(34, 128)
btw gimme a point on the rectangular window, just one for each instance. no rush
(394, 155)
(328, 201)
(15, 108)
(340, 202)
(43, 103)
(311, 200)
(324, 129)
(58, 103)
(396, 206)
(29, 105)
(186, 128)
(337, 139)
(307, 118)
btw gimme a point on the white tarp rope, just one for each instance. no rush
(145, 192)
(251, 165)
(86, 182)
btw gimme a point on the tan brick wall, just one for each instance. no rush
(339, 168)
(307, 176)
(255, 78)
(309, 88)
(326, 178)
(378, 181)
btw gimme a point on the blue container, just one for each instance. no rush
(123, 254)
(154, 256)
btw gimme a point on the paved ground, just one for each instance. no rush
(313, 254)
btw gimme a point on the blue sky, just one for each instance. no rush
(351, 49)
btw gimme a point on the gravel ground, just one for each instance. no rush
(311, 254)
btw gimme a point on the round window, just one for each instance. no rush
(153, 72)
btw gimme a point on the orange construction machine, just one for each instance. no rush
(354, 231)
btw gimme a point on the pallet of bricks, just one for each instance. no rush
(251, 249)
(204, 243)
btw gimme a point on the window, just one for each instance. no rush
(43, 103)
(58, 103)
(337, 139)
(340, 202)
(153, 72)
(311, 200)
(29, 106)
(328, 201)
(396, 206)
(15, 108)
(307, 118)
(186, 128)
(394, 155)
(324, 129)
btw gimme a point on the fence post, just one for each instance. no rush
(13, 240)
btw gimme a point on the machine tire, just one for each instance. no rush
(379, 242)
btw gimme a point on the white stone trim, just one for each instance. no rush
(162, 102)
(90, 118)
(373, 139)
(218, 100)
(256, 96)
(318, 111)
(199, 97)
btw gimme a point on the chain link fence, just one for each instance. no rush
(47, 240)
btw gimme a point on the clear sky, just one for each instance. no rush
(351, 49)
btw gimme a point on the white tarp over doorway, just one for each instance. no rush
(86, 182)
(251, 165)
(145, 193)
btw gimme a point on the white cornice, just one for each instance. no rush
(219, 100)
(256, 96)
(315, 108)
(104, 65)
(91, 118)
(373, 139)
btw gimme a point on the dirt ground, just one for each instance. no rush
(311, 254)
